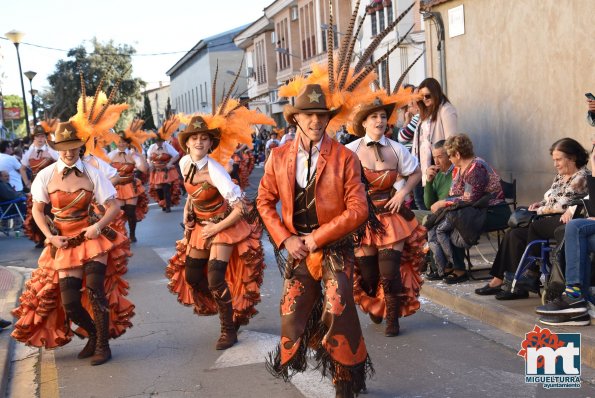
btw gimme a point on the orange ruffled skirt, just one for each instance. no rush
(41, 318)
(244, 271)
(175, 186)
(415, 235)
(127, 192)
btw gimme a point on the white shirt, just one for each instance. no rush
(270, 142)
(104, 167)
(219, 176)
(301, 167)
(115, 156)
(102, 187)
(167, 147)
(33, 151)
(12, 165)
(286, 137)
(406, 162)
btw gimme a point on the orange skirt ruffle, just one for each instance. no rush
(396, 228)
(41, 318)
(412, 259)
(244, 275)
(128, 191)
(158, 177)
(29, 225)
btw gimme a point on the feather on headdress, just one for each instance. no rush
(232, 119)
(169, 126)
(135, 136)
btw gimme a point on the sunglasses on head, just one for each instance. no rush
(427, 96)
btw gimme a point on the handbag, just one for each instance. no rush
(521, 217)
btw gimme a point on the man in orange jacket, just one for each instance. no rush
(323, 201)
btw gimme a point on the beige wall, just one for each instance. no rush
(517, 78)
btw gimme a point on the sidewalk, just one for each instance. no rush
(10, 288)
(516, 317)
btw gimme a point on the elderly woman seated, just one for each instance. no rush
(569, 184)
(472, 180)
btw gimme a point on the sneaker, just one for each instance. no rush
(591, 310)
(566, 320)
(564, 305)
(434, 276)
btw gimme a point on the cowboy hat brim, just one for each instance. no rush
(66, 145)
(363, 113)
(289, 112)
(184, 135)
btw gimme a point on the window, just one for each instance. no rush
(389, 13)
(381, 24)
(308, 31)
(259, 61)
(283, 43)
(374, 24)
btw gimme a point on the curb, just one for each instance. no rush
(6, 342)
(515, 317)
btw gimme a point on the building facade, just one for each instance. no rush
(192, 76)
(158, 99)
(517, 72)
(291, 35)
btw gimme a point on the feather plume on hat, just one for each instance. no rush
(135, 136)
(169, 126)
(343, 86)
(49, 125)
(231, 119)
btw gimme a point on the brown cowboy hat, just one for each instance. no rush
(197, 125)
(310, 100)
(365, 110)
(39, 130)
(65, 138)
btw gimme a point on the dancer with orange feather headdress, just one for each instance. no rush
(219, 265)
(323, 202)
(127, 158)
(82, 252)
(164, 179)
(38, 156)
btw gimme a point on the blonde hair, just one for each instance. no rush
(460, 143)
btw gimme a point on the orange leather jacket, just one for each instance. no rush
(340, 196)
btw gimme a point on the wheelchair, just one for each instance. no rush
(11, 215)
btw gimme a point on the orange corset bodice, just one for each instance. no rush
(207, 202)
(39, 164)
(125, 170)
(71, 210)
(160, 158)
(380, 184)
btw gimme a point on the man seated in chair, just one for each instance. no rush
(438, 182)
(8, 193)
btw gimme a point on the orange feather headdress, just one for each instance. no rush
(169, 126)
(135, 136)
(233, 120)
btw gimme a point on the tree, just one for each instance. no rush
(108, 61)
(147, 115)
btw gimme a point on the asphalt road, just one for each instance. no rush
(170, 351)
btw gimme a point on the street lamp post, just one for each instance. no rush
(30, 75)
(15, 37)
(34, 106)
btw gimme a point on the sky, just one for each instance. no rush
(150, 26)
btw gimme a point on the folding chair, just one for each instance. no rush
(510, 199)
(9, 211)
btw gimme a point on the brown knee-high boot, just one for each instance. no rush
(95, 277)
(222, 296)
(390, 271)
(368, 269)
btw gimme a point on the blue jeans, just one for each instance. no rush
(440, 245)
(579, 241)
(418, 197)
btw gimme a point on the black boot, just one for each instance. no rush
(161, 197)
(222, 296)
(167, 196)
(130, 211)
(368, 269)
(390, 269)
(343, 390)
(70, 291)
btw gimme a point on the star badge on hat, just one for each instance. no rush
(198, 124)
(314, 96)
(66, 133)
